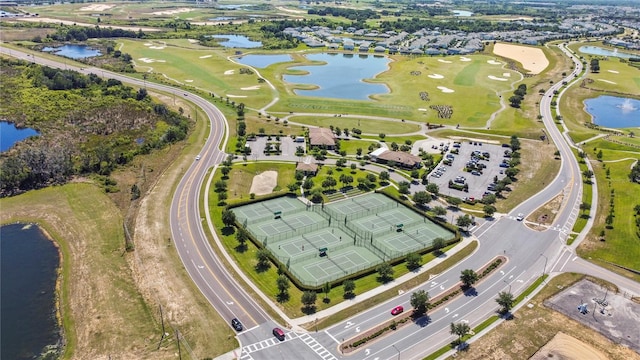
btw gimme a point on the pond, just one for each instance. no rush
(73, 51)
(28, 264)
(236, 41)
(10, 134)
(596, 50)
(461, 13)
(262, 61)
(342, 76)
(222, 18)
(614, 112)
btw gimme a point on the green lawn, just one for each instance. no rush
(621, 241)
(242, 176)
(370, 126)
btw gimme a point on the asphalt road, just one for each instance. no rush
(530, 254)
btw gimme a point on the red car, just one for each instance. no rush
(397, 310)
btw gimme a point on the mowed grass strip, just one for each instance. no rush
(102, 309)
(621, 241)
(371, 126)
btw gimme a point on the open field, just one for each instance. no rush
(619, 247)
(535, 325)
(102, 309)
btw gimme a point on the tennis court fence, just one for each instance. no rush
(321, 280)
(295, 232)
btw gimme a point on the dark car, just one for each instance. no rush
(397, 310)
(278, 333)
(236, 324)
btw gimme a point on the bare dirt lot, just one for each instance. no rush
(563, 346)
(610, 314)
(264, 183)
(535, 325)
(531, 58)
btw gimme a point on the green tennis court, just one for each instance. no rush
(321, 243)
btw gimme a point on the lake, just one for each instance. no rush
(262, 61)
(596, 50)
(28, 271)
(10, 134)
(614, 112)
(461, 13)
(237, 41)
(342, 76)
(73, 51)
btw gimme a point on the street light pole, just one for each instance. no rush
(505, 281)
(544, 270)
(394, 346)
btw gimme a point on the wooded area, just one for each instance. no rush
(87, 125)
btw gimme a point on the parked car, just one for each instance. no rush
(236, 324)
(278, 333)
(397, 310)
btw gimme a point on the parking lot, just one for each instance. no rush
(484, 158)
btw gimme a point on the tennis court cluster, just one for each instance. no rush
(323, 243)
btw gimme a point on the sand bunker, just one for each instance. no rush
(264, 183)
(236, 96)
(149, 61)
(462, 58)
(506, 74)
(254, 87)
(422, 109)
(147, 44)
(445, 89)
(436, 76)
(188, 81)
(157, 47)
(496, 78)
(172, 12)
(613, 71)
(563, 346)
(205, 56)
(608, 81)
(444, 61)
(493, 62)
(192, 41)
(96, 7)
(229, 72)
(531, 58)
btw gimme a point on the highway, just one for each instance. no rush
(530, 254)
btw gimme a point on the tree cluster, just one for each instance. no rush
(88, 126)
(82, 33)
(518, 96)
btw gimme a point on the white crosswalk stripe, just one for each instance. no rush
(317, 347)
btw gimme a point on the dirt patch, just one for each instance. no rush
(546, 214)
(264, 183)
(531, 58)
(96, 7)
(563, 346)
